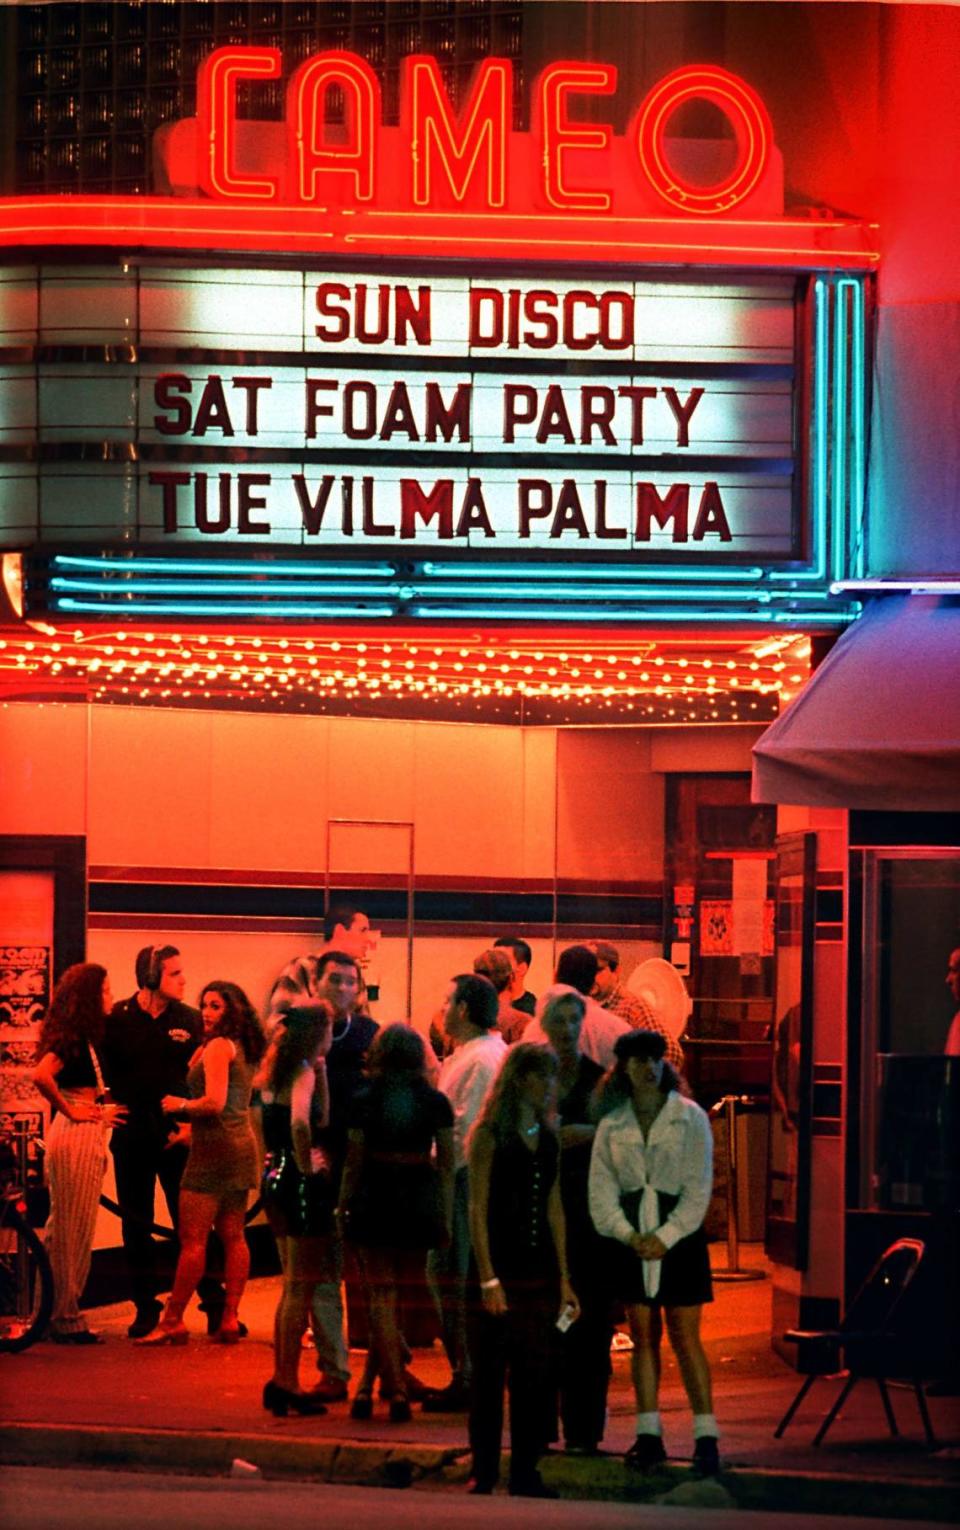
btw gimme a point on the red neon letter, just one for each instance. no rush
(558, 134)
(217, 114)
(311, 151)
(429, 124)
(740, 105)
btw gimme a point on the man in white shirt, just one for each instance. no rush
(470, 1021)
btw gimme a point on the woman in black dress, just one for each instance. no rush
(651, 1174)
(585, 1347)
(519, 1283)
(296, 1187)
(396, 1200)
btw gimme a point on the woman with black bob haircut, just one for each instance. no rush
(68, 1074)
(519, 1282)
(651, 1175)
(296, 1186)
(396, 1201)
(221, 1167)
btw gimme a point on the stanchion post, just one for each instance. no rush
(733, 1271)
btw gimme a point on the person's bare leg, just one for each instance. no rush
(236, 1257)
(292, 1319)
(196, 1217)
(645, 1330)
(683, 1326)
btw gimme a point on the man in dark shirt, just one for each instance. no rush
(338, 982)
(148, 1044)
(520, 954)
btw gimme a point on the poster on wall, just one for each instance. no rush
(24, 986)
(24, 996)
(718, 928)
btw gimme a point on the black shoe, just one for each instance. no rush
(362, 1405)
(145, 1321)
(531, 1487)
(399, 1409)
(277, 1400)
(452, 1399)
(78, 1336)
(480, 1485)
(646, 1453)
(581, 1448)
(706, 1458)
(213, 1308)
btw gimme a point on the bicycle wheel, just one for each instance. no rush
(26, 1284)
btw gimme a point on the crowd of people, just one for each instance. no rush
(539, 1170)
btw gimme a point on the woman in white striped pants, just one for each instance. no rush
(68, 1075)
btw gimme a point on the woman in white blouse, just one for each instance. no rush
(651, 1174)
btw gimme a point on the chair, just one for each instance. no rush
(866, 1337)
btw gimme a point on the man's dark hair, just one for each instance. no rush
(480, 997)
(149, 964)
(578, 966)
(519, 947)
(606, 953)
(339, 913)
(336, 959)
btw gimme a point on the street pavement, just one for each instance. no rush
(40, 1499)
(198, 1408)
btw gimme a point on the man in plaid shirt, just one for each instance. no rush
(610, 994)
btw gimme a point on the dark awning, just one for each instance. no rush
(878, 724)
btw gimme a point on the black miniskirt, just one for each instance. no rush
(685, 1279)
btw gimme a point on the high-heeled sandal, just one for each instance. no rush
(362, 1405)
(279, 1401)
(166, 1333)
(229, 1332)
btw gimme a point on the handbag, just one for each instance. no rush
(305, 1201)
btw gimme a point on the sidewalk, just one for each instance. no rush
(199, 1408)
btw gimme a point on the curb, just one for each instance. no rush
(347, 1461)
(400, 1466)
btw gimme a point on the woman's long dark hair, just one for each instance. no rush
(296, 1041)
(501, 1110)
(614, 1088)
(239, 1022)
(75, 1016)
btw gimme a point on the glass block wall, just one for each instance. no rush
(93, 81)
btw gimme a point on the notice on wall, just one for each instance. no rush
(749, 898)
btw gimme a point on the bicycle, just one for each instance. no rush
(26, 1279)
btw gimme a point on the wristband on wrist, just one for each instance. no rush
(489, 1285)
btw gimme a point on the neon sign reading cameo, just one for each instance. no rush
(470, 160)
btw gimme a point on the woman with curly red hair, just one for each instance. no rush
(222, 1166)
(68, 1074)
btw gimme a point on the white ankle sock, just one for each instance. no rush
(705, 1427)
(649, 1423)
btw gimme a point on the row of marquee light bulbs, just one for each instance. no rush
(159, 666)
